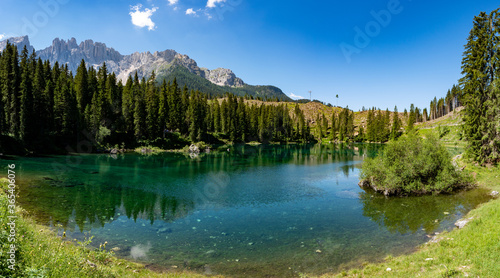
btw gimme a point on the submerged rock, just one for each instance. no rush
(366, 184)
(164, 230)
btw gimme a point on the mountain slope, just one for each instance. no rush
(167, 64)
(195, 82)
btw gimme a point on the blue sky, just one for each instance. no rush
(408, 52)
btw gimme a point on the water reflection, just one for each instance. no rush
(258, 211)
(169, 186)
(409, 214)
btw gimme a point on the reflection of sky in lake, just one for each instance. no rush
(255, 211)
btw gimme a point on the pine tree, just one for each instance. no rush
(81, 87)
(480, 69)
(396, 124)
(386, 126)
(370, 126)
(242, 120)
(425, 115)
(193, 117)
(176, 107)
(140, 114)
(65, 107)
(26, 129)
(183, 107)
(411, 118)
(217, 116)
(334, 126)
(350, 124)
(324, 122)
(128, 105)
(151, 102)
(40, 118)
(163, 107)
(319, 127)
(10, 89)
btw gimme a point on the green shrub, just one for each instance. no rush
(412, 165)
(443, 131)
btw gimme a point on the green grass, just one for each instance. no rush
(41, 253)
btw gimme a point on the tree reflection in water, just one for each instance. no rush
(104, 186)
(409, 214)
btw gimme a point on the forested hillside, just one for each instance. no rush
(198, 83)
(45, 107)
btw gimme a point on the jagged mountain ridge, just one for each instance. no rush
(20, 42)
(166, 65)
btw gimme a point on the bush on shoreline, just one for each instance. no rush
(413, 166)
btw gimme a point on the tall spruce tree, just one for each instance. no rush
(480, 69)
(26, 128)
(396, 124)
(411, 118)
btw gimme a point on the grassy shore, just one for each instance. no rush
(41, 253)
(472, 251)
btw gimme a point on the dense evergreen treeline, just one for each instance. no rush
(380, 126)
(43, 104)
(481, 88)
(341, 129)
(443, 106)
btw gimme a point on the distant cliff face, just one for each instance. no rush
(20, 42)
(96, 53)
(69, 52)
(223, 77)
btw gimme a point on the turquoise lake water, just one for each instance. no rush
(252, 211)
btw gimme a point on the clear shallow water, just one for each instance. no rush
(266, 211)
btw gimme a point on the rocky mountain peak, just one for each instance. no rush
(95, 54)
(20, 42)
(223, 77)
(69, 52)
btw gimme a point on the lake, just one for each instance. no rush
(249, 211)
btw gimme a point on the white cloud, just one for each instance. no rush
(142, 18)
(190, 12)
(173, 2)
(211, 3)
(292, 95)
(2, 36)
